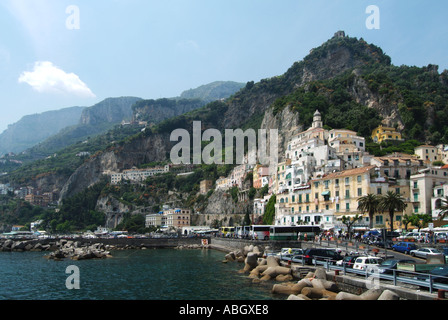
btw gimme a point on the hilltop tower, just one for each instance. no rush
(317, 120)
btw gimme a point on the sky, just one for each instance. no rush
(61, 53)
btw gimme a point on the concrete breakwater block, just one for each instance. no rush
(371, 294)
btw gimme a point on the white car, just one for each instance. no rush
(423, 252)
(413, 235)
(367, 263)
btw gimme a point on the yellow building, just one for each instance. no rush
(381, 134)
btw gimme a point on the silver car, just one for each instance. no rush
(423, 252)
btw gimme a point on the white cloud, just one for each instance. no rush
(47, 78)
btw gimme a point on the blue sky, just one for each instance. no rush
(154, 49)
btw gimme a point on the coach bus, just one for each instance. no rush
(259, 232)
(227, 231)
(293, 232)
(242, 232)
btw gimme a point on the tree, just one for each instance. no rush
(369, 203)
(269, 214)
(391, 202)
(406, 221)
(349, 222)
(420, 220)
(443, 209)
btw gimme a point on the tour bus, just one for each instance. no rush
(293, 232)
(242, 232)
(259, 232)
(227, 231)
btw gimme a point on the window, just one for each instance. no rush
(337, 207)
(359, 178)
(300, 198)
(347, 194)
(379, 219)
(347, 180)
(359, 192)
(293, 198)
(378, 190)
(347, 206)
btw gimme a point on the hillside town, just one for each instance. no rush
(319, 180)
(323, 175)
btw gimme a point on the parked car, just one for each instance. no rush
(390, 264)
(439, 274)
(321, 255)
(412, 236)
(367, 263)
(404, 247)
(380, 243)
(423, 252)
(288, 253)
(348, 261)
(392, 235)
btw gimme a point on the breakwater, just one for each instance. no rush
(81, 249)
(304, 282)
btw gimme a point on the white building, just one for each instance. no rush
(138, 175)
(440, 193)
(422, 187)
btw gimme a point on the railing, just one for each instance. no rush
(408, 277)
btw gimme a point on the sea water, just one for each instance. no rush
(153, 274)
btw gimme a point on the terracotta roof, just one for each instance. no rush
(346, 173)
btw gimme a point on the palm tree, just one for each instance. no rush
(369, 203)
(391, 202)
(443, 209)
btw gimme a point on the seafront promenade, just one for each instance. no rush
(352, 283)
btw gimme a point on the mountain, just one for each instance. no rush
(93, 121)
(249, 107)
(35, 128)
(213, 91)
(103, 116)
(111, 110)
(352, 83)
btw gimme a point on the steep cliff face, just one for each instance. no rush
(33, 129)
(111, 110)
(138, 151)
(287, 123)
(155, 111)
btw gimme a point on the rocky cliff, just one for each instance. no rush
(111, 110)
(145, 149)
